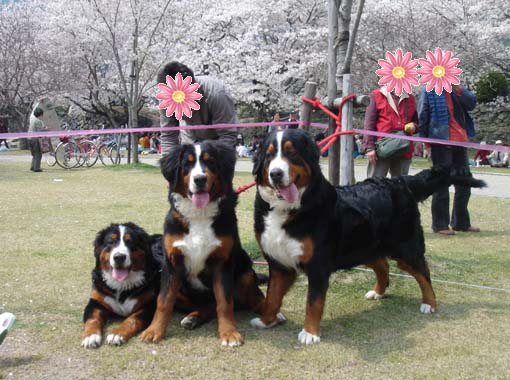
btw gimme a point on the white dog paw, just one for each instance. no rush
(115, 340)
(306, 338)
(426, 308)
(257, 322)
(91, 341)
(234, 343)
(373, 295)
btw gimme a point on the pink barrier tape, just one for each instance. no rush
(88, 132)
(466, 144)
(498, 148)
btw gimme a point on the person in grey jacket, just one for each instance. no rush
(216, 107)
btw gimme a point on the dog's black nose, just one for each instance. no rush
(119, 259)
(276, 175)
(200, 180)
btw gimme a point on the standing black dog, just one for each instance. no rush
(303, 222)
(205, 269)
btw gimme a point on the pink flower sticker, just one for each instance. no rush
(178, 96)
(439, 71)
(398, 72)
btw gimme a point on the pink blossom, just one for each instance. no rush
(178, 96)
(398, 72)
(439, 71)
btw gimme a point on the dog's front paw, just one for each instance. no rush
(306, 338)
(231, 339)
(427, 309)
(257, 322)
(373, 295)
(115, 340)
(152, 335)
(91, 341)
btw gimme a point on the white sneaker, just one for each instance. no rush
(6, 322)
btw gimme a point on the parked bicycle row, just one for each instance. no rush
(70, 153)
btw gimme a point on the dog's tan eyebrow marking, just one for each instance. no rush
(191, 157)
(114, 236)
(205, 156)
(127, 237)
(271, 149)
(288, 146)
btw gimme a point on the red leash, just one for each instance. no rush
(242, 189)
(328, 141)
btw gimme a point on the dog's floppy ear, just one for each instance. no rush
(142, 238)
(170, 165)
(311, 152)
(225, 157)
(259, 156)
(99, 241)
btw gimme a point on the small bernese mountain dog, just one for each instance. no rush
(125, 283)
(303, 223)
(205, 270)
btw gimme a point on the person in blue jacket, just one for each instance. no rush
(446, 117)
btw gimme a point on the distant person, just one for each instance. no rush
(36, 125)
(481, 156)
(276, 119)
(497, 159)
(3, 129)
(293, 118)
(216, 107)
(358, 143)
(446, 117)
(388, 113)
(255, 144)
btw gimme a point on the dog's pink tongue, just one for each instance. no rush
(200, 200)
(290, 193)
(120, 274)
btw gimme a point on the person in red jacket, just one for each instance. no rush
(481, 156)
(388, 113)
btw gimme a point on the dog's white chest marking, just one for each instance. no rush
(124, 309)
(200, 241)
(277, 243)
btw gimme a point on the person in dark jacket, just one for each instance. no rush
(446, 117)
(36, 125)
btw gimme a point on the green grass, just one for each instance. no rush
(48, 222)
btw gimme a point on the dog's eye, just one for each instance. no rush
(191, 158)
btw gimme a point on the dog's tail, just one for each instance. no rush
(427, 182)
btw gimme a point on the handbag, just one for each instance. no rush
(45, 144)
(388, 147)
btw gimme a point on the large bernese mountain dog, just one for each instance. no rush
(205, 270)
(303, 223)
(125, 283)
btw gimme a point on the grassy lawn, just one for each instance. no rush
(48, 222)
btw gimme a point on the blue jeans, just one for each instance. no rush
(455, 158)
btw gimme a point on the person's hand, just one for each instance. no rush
(372, 157)
(410, 128)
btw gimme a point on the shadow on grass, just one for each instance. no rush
(18, 361)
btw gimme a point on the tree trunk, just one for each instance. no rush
(334, 149)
